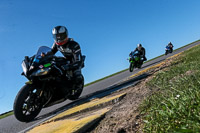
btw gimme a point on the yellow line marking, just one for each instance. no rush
(62, 124)
(85, 106)
(174, 56)
(69, 125)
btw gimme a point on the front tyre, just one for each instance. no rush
(131, 67)
(27, 105)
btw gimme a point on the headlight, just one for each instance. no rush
(24, 67)
(40, 72)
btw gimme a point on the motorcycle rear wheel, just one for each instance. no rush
(166, 52)
(26, 107)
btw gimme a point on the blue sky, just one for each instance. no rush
(107, 30)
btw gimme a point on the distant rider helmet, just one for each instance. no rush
(60, 35)
(139, 46)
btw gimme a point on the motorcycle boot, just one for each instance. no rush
(140, 62)
(78, 82)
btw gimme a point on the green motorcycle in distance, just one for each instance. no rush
(135, 61)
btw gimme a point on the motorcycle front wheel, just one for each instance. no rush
(131, 67)
(27, 105)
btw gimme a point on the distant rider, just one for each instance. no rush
(71, 51)
(170, 45)
(141, 52)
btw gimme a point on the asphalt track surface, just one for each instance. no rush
(11, 125)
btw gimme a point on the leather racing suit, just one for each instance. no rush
(72, 52)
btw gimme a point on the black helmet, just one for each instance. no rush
(139, 45)
(60, 35)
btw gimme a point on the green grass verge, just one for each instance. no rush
(6, 114)
(175, 104)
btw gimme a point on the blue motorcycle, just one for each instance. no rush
(168, 50)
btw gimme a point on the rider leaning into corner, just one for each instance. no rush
(141, 52)
(170, 45)
(71, 51)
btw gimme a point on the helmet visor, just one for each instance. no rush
(60, 37)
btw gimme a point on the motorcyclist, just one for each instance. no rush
(71, 51)
(141, 52)
(170, 45)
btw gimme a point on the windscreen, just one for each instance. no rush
(42, 50)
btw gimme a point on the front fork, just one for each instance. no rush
(31, 83)
(42, 96)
